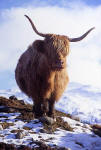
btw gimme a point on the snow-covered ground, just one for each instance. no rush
(81, 138)
(83, 101)
(79, 100)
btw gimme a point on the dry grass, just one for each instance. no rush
(6, 124)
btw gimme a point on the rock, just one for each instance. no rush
(13, 97)
(63, 148)
(22, 102)
(46, 131)
(20, 135)
(42, 130)
(96, 128)
(47, 120)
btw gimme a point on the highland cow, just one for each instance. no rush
(41, 70)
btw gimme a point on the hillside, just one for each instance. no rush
(19, 130)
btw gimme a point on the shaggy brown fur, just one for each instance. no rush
(41, 71)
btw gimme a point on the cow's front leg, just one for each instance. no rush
(40, 108)
(51, 103)
(44, 107)
(37, 109)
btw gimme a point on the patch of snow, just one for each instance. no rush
(82, 101)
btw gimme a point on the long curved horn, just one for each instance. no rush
(81, 37)
(34, 28)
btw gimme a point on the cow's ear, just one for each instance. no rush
(39, 45)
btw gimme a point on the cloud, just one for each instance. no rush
(84, 61)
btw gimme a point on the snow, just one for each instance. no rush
(82, 101)
(81, 138)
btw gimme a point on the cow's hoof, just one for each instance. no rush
(47, 120)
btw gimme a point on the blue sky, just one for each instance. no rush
(18, 3)
(13, 27)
